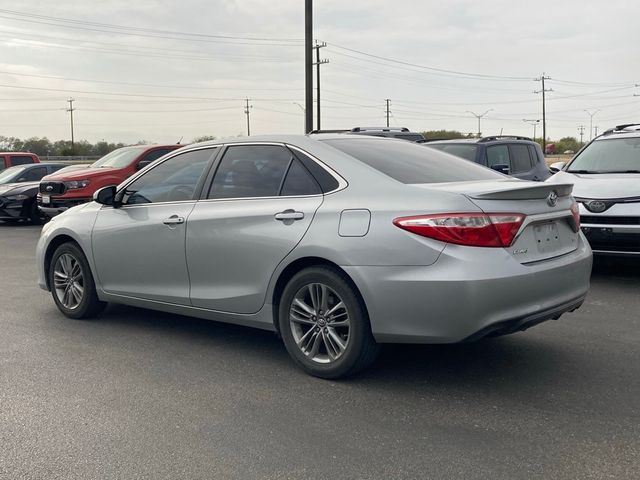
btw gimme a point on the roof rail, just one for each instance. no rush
(497, 137)
(621, 128)
(330, 131)
(380, 129)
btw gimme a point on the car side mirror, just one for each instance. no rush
(501, 167)
(106, 196)
(143, 163)
(557, 166)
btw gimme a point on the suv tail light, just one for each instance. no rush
(471, 229)
(575, 211)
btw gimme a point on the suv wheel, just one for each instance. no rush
(324, 324)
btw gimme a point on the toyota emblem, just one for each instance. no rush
(552, 199)
(596, 206)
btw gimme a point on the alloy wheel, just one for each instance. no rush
(68, 281)
(320, 323)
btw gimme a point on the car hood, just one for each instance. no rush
(80, 174)
(16, 188)
(601, 185)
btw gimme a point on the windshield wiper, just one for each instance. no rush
(583, 171)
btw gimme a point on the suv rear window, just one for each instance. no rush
(468, 152)
(410, 162)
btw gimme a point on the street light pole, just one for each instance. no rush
(535, 123)
(479, 117)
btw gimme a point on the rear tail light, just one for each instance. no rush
(575, 211)
(472, 229)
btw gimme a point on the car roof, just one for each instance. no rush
(629, 130)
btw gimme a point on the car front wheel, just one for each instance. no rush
(71, 282)
(324, 324)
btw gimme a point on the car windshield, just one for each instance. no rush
(616, 155)
(10, 173)
(412, 163)
(468, 152)
(118, 158)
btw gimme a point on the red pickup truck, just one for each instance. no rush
(61, 191)
(11, 159)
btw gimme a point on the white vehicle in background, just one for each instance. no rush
(606, 178)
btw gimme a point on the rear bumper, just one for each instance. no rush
(470, 293)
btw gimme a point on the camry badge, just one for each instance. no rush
(596, 206)
(552, 199)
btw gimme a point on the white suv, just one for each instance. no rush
(606, 178)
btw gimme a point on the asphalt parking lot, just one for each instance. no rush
(140, 394)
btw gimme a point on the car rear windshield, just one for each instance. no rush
(119, 158)
(468, 152)
(616, 155)
(412, 163)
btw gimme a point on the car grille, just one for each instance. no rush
(606, 220)
(612, 242)
(52, 188)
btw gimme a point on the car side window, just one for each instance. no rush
(534, 155)
(21, 159)
(154, 155)
(35, 174)
(498, 155)
(299, 181)
(173, 180)
(520, 159)
(251, 171)
(3, 163)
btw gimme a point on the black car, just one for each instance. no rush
(18, 190)
(520, 157)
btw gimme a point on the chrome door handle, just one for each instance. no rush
(289, 215)
(173, 220)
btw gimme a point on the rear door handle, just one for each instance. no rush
(289, 215)
(173, 220)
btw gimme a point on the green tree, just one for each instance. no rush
(444, 134)
(203, 138)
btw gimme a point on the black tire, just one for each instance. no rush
(89, 305)
(35, 216)
(361, 348)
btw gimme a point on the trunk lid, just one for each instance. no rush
(547, 230)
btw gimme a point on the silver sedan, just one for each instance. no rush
(336, 242)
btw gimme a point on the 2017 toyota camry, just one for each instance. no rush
(337, 242)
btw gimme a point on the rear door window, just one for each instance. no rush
(520, 158)
(34, 174)
(251, 171)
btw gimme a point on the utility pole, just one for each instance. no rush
(308, 66)
(535, 123)
(70, 110)
(479, 117)
(581, 130)
(317, 64)
(544, 112)
(388, 102)
(596, 131)
(247, 108)
(591, 123)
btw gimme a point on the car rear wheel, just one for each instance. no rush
(324, 324)
(71, 282)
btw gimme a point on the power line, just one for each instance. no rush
(139, 30)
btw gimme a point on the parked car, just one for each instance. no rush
(520, 157)
(606, 178)
(12, 159)
(18, 190)
(76, 186)
(338, 242)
